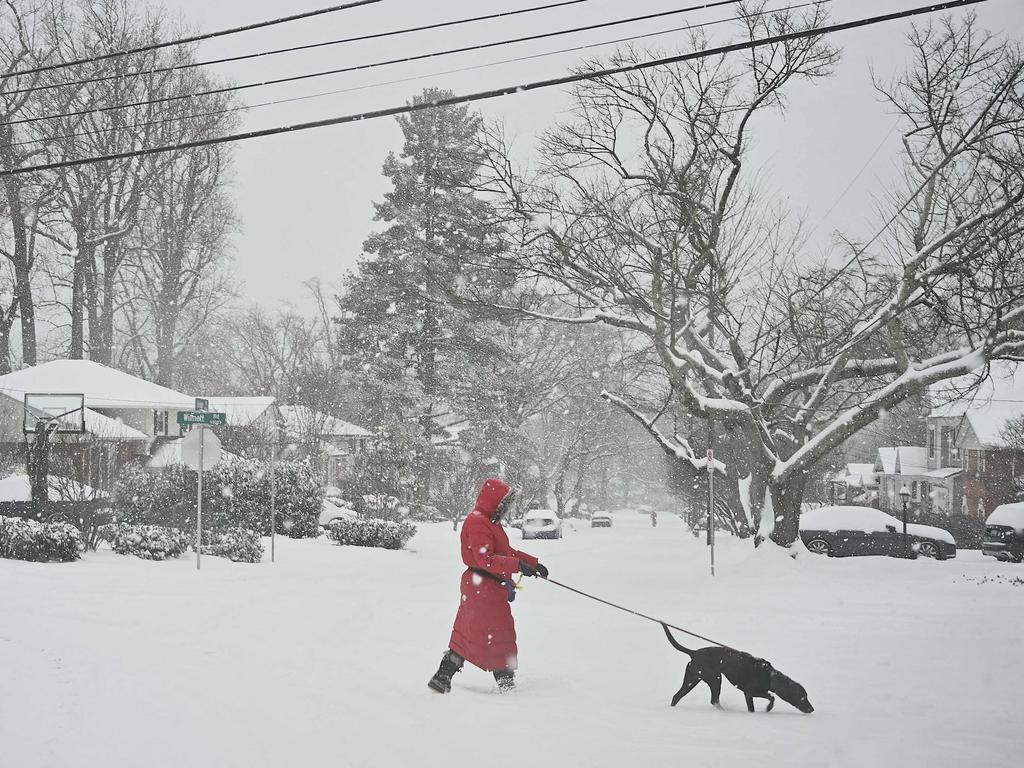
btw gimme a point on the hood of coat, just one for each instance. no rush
(491, 495)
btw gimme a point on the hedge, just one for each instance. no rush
(149, 542)
(236, 494)
(38, 542)
(371, 533)
(236, 544)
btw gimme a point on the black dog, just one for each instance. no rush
(755, 677)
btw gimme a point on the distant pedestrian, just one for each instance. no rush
(484, 633)
(654, 518)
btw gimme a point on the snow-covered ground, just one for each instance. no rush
(323, 657)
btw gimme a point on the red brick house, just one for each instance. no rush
(965, 439)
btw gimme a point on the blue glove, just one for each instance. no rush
(510, 587)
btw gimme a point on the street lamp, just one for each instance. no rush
(905, 495)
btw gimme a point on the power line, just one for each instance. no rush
(306, 47)
(374, 65)
(507, 90)
(413, 78)
(192, 39)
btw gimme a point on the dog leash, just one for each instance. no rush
(637, 613)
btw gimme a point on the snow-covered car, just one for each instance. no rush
(333, 509)
(541, 524)
(601, 519)
(1004, 533)
(843, 531)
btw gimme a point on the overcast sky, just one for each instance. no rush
(305, 200)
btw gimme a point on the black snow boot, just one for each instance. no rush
(451, 663)
(506, 680)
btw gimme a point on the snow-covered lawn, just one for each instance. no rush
(323, 657)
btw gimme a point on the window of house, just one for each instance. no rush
(981, 508)
(914, 491)
(931, 443)
(159, 422)
(963, 506)
(981, 461)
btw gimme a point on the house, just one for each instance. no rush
(900, 466)
(124, 415)
(855, 483)
(336, 442)
(974, 468)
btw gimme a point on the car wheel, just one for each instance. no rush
(928, 549)
(819, 547)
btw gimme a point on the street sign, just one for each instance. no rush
(209, 418)
(202, 404)
(190, 449)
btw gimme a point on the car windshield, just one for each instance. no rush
(540, 521)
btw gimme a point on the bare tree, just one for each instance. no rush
(642, 214)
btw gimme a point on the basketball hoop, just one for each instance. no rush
(58, 412)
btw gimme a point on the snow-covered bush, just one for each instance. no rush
(38, 542)
(387, 534)
(236, 494)
(237, 544)
(149, 542)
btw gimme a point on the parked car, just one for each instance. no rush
(333, 509)
(601, 519)
(849, 531)
(1004, 533)
(541, 524)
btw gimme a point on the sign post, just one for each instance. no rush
(200, 450)
(199, 503)
(711, 506)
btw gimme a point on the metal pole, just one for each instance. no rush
(199, 502)
(906, 548)
(273, 493)
(711, 506)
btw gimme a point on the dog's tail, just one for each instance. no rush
(675, 643)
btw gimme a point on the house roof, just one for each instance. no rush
(902, 460)
(242, 411)
(985, 406)
(300, 418)
(942, 474)
(860, 475)
(102, 386)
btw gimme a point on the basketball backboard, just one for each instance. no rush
(60, 412)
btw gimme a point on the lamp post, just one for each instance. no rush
(905, 496)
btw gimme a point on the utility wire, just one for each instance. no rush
(508, 90)
(374, 65)
(413, 78)
(306, 47)
(192, 39)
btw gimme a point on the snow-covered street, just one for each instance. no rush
(322, 658)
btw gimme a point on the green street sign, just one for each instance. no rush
(208, 418)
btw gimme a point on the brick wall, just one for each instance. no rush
(993, 485)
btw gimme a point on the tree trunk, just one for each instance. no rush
(79, 274)
(786, 499)
(22, 263)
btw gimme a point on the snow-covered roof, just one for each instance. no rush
(986, 406)
(902, 460)
(18, 487)
(103, 387)
(241, 411)
(860, 475)
(168, 453)
(299, 419)
(886, 461)
(942, 474)
(106, 428)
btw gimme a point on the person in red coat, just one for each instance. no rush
(484, 633)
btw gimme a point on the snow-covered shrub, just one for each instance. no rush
(149, 542)
(38, 542)
(387, 534)
(237, 544)
(236, 494)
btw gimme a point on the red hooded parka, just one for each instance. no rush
(484, 632)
